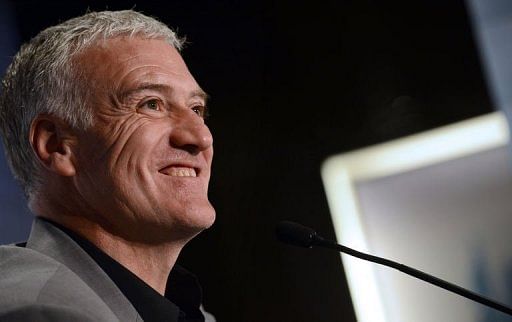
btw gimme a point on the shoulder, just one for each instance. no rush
(24, 273)
(43, 313)
(36, 287)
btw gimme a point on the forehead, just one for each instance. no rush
(122, 61)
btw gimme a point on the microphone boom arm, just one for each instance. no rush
(298, 235)
(319, 241)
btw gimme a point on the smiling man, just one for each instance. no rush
(104, 128)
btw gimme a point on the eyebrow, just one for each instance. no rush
(201, 94)
(162, 88)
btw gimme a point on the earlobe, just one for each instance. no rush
(52, 142)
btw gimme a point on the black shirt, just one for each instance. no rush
(182, 294)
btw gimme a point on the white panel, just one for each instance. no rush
(438, 201)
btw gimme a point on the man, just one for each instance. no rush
(103, 126)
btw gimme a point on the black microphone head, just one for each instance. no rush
(295, 234)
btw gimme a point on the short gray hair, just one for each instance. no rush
(43, 79)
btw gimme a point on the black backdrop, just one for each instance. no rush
(292, 83)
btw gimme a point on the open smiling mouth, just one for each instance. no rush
(179, 171)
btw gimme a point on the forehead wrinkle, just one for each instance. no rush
(133, 83)
(169, 66)
(155, 83)
(144, 56)
(146, 86)
(151, 77)
(128, 75)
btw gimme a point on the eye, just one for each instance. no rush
(201, 110)
(152, 104)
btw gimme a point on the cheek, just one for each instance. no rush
(133, 146)
(119, 158)
(135, 162)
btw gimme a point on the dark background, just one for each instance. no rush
(292, 83)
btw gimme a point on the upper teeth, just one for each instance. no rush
(181, 172)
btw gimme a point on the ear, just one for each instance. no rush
(52, 141)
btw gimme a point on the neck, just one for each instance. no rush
(152, 263)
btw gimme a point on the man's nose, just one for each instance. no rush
(190, 133)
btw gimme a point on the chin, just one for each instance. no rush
(172, 221)
(190, 222)
(200, 219)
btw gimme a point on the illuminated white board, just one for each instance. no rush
(440, 201)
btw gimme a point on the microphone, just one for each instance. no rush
(295, 234)
(298, 235)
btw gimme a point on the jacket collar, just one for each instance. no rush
(52, 242)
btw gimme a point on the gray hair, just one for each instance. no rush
(43, 79)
